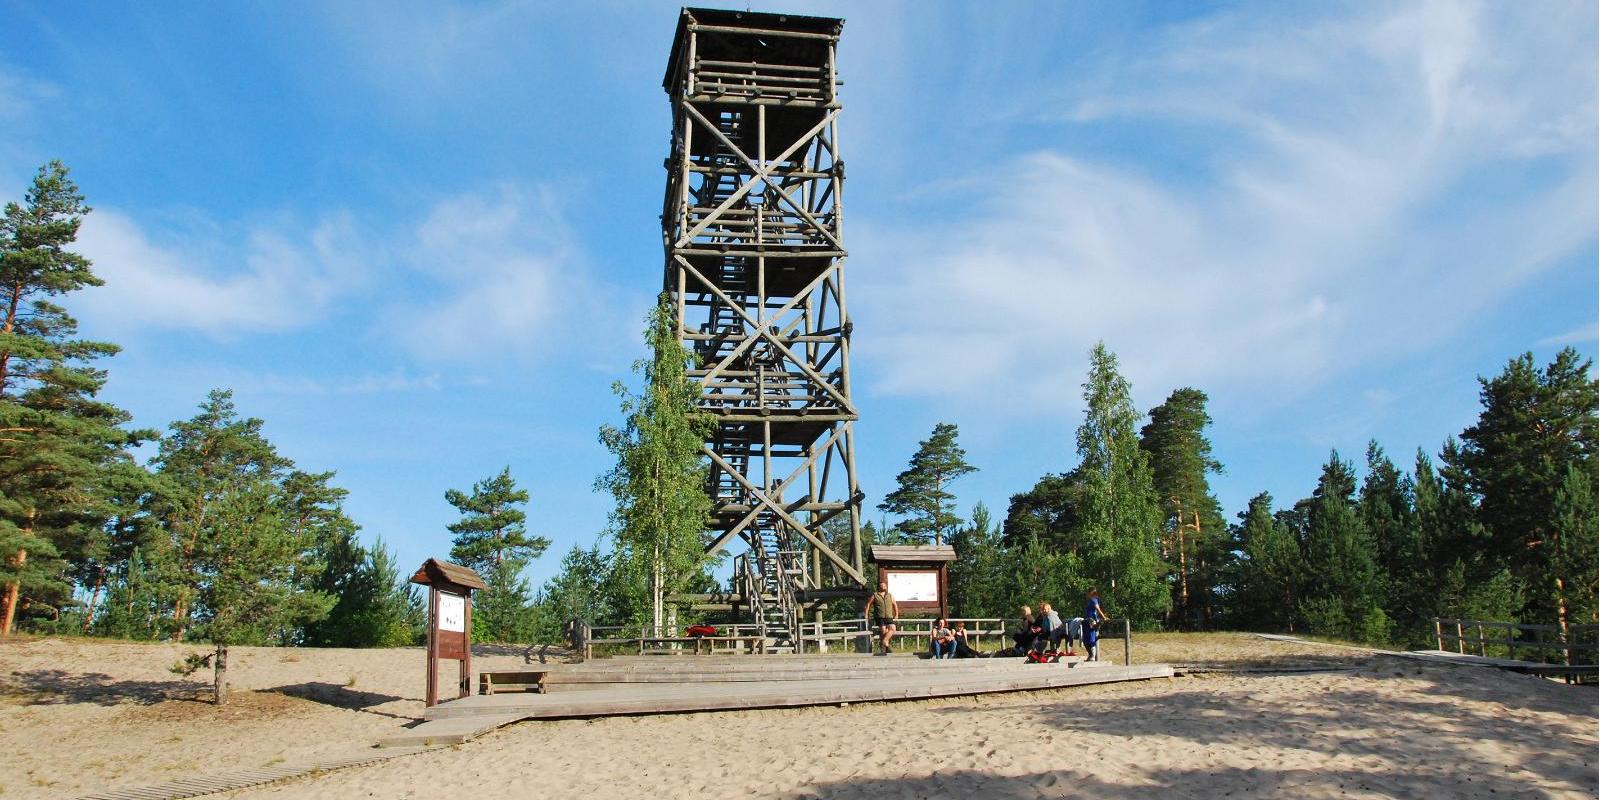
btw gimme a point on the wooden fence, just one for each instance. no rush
(1492, 639)
(746, 638)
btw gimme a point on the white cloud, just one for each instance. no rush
(496, 275)
(1368, 186)
(1578, 335)
(477, 277)
(271, 281)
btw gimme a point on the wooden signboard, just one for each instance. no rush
(917, 576)
(450, 589)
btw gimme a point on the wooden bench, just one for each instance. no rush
(504, 682)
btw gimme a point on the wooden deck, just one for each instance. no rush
(621, 687)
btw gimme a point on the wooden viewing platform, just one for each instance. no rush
(630, 686)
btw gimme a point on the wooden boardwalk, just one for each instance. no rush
(1530, 667)
(622, 686)
(199, 785)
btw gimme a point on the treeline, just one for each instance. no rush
(1502, 527)
(218, 538)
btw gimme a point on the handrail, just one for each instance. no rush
(1565, 641)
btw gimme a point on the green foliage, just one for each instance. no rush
(374, 605)
(1050, 512)
(658, 482)
(60, 446)
(1340, 557)
(978, 576)
(243, 562)
(1268, 576)
(504, 612)
(1195, 535)
(492, 527)
(921, 494)
(1121, 515)
(578, 591)
(1535, 427)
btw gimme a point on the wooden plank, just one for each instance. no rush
(679, 698)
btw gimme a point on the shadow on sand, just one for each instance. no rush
(55, 686)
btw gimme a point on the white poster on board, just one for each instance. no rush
(912, 587)
(452, 613)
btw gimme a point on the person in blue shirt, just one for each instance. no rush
(1093, 615)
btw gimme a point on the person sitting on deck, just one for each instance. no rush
(883, 611)
(1039, 650)
(1024, 637)
(1050, 625)
(942, 640)
(963, 649)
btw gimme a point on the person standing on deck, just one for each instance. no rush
(1093, 615)
(883, 611)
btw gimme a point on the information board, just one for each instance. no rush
(907, 586)
(452, 613)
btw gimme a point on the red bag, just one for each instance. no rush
(696, 631)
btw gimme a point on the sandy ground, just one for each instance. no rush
(79, 716)
(83, 716)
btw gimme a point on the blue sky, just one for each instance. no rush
(418, 239)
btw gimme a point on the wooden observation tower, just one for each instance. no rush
(751, 224)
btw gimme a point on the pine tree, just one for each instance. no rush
(504, 612)
(1195, 532)
(578, 591)
(57, 440)
(1270, 572)
(1051, 512)
(245, 561)
(1387, 511)
(976, 576)
(1341, 562)
(388, 611)
(658, 482)
(313, 508)
(1535, 426)
(492, 527)
(920, 491)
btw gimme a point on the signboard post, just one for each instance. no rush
(449, 621)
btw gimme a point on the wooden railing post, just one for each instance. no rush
(1127, 643)
(1438, 633)
(1481, 651)
(1461, 638)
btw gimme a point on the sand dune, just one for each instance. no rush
(1388, 728)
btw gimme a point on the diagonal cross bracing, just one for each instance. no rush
(751, 225)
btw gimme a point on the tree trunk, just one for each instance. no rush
(180, 616)
(99, 583)
(219, 665)
(10, 326)
(13, 593)
(1561, 622)
(655, 594)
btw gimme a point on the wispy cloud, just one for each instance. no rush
(497, 274)
(1368, 185)
(269, 278)
(476, 277)
(1578, 335)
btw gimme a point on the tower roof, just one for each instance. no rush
(755, 20)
